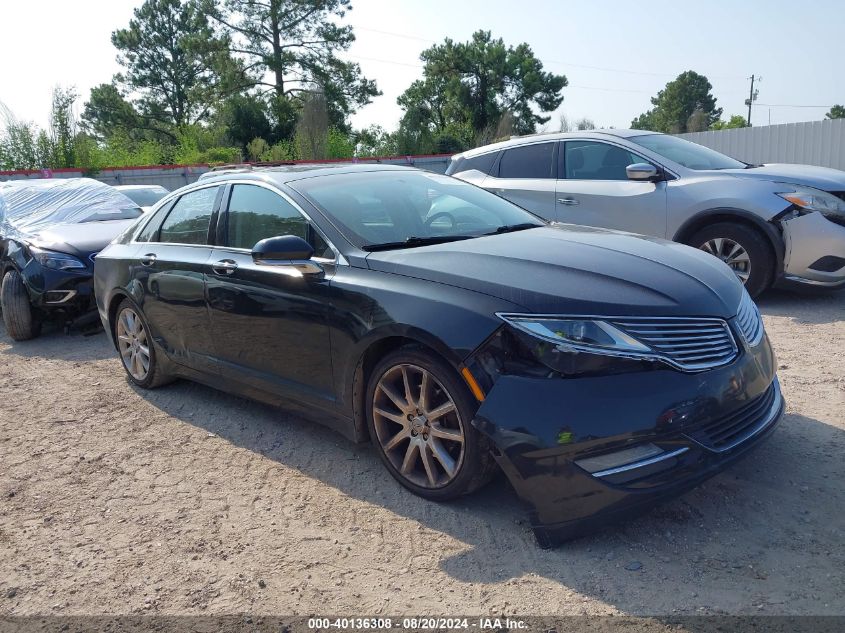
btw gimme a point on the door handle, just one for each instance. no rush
(149, 259)
(224, 267)
(568, 201)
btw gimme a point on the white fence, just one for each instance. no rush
(174, 176)
(819, 143)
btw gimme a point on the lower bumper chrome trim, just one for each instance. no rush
(640, 464)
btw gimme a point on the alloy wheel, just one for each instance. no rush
(133, 344)
(732, 253)
(418, 426)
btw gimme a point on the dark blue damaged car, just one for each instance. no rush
(601, 371)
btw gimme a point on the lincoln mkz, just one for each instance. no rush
(600, 371)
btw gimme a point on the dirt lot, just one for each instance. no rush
(186, 501)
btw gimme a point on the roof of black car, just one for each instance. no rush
(289, 173)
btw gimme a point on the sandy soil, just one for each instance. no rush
(186, 500)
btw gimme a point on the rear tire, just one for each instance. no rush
(136, 347)
(18, 316)
(427, 442)
(744, 249)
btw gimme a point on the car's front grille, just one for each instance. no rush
(688, 343)
(748, 320)
(729, 431)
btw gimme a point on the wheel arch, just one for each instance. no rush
(116, 299)
(739, 216)
(375, 348)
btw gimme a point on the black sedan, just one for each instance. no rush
(50, 232)
(600, 371)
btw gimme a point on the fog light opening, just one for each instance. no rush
(58, 296)
(626, 459)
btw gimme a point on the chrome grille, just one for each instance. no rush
(748, 320)
(688, 343)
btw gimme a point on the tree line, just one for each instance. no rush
(220, 81)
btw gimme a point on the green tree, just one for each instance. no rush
(836, 112)
(107, 113)
(245, 118)
(63, 128)
(736, 121)
(686, 99)
(475, 83)
(374, 141)
(173, 61)
(290, 48)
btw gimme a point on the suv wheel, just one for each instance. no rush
(743, 249)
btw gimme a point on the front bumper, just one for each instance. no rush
(51, 290)
(814, 252)
(541, 426)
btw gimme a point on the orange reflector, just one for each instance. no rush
(473, 386)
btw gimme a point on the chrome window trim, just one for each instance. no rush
(644, 462)
(338, 260)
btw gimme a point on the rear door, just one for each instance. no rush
(525, 175)
(593, 189)
(171, 267)
(270, 326)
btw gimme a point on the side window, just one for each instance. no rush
(256, 213)
(527, 161)
(592, 160)
(149, 230)
(483, 163)
(188, 220)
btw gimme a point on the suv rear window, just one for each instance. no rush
(527, 161)
(483, 163)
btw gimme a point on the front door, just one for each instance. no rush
(269, 323)
(171, 269)
(593, 189)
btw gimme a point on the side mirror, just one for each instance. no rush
(641, 171)
(286, 251)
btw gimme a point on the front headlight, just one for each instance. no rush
(811, 199)
(587, 335)
(56, 261)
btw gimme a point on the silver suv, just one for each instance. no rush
(772, 224)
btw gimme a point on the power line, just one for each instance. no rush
(790, 105)
(548, 61)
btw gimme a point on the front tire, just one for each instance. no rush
(137, 348)
(744, 249)
(18, 316)
(419, 415)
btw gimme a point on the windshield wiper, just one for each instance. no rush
(510, 228)
(411, 242)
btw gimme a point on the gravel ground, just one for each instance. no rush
(186, 500)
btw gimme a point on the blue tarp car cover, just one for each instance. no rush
(29, 205)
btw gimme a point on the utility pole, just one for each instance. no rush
(752, 97)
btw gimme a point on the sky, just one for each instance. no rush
(615, 54)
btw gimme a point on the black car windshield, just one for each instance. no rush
(384, 209)
(690, 155)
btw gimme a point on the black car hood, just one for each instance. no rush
(569, 269)
(78, 239)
